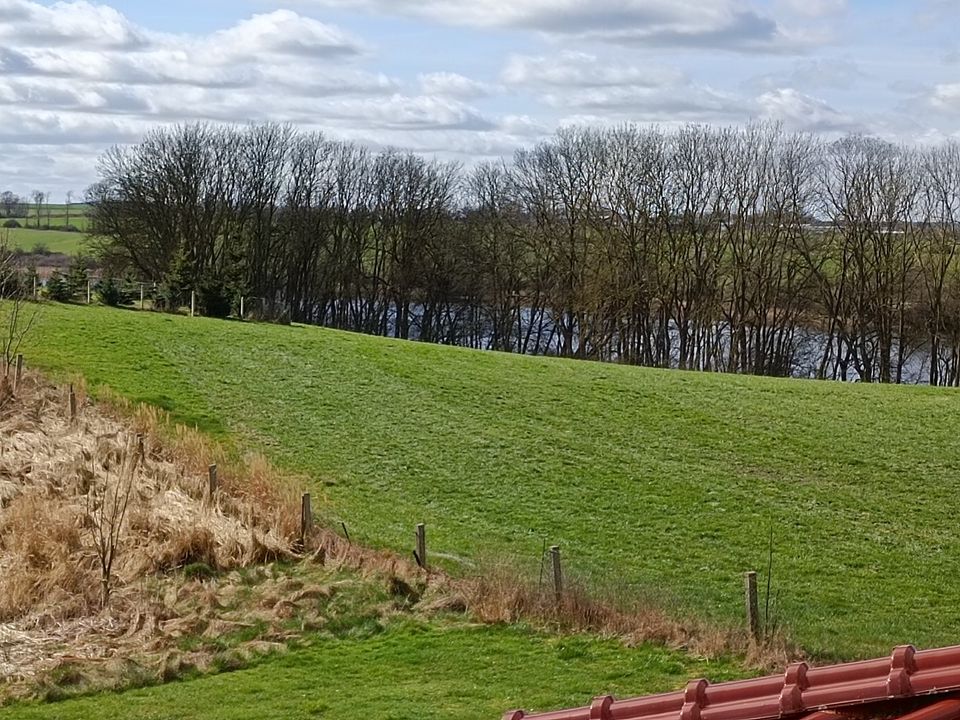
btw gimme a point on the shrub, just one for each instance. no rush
(40, 249)
(69, 228)
(11, 223)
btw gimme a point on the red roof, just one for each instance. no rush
(911, 684)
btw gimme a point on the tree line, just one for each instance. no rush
(751, 250)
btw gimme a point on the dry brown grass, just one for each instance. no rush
(52, 470)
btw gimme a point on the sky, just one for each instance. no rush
(461, 80)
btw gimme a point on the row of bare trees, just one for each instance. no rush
(738, 250)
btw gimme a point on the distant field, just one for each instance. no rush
(57, 216)
(57, 241)
(667, 483)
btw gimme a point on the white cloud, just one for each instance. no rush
(80, 75)
(414, 112)
(67, 23)
(587, 84)
(281, 32)
(447, 84)
(798, 111)
(580, 69)
(83, 74)
(814, 8)
(723, 24)
(945, 97)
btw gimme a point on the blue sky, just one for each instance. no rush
(462, 80)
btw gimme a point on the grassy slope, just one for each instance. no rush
(663, 480)
(413, 671)
(56, 241)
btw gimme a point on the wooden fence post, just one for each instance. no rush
(73, 403)
(193, 303)
(19, 375)
(557, 572)
(306, 518)
(241, 306)
(752, 604)
(141, 296)
(422, 545)
(211, 483)
(89, 293)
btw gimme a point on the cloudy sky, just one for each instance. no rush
(461, 79)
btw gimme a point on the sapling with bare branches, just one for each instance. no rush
(106, 510)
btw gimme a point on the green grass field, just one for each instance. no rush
(55, 241)
(664, 484)
(57, 216)
(412, 670)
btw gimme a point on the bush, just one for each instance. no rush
(11, 223)
(40, 249)
(112, 292)
(69, 228)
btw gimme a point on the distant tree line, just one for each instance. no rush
(12, 205)
(749, 250)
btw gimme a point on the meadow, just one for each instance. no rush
(664, 485)
(55, 241)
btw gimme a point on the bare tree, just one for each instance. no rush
(38, 198)
(731, 250)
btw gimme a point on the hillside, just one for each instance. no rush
(658, 483)
(55, 241)
(209, 583)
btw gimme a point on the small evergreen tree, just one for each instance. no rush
(214, 298)
(113, 292)
(177, 282)
(57, 289)
(235, 275)
(77, 277)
